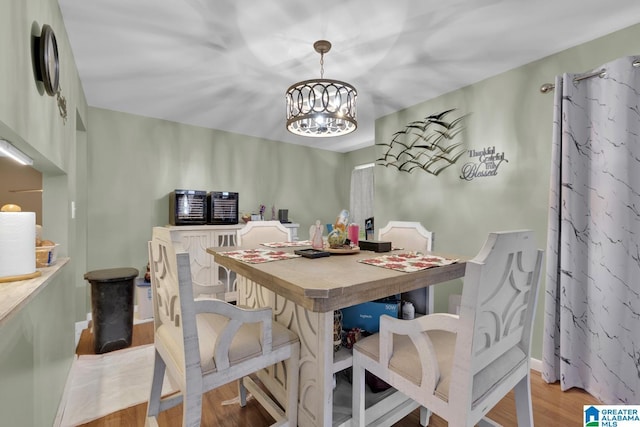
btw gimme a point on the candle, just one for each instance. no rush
(353, 233)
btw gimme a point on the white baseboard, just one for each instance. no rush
(81, 326)
(535, 364)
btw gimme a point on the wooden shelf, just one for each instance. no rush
(389, 405)
(342, 359)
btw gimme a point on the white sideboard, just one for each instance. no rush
(294, 231)
(208, 277)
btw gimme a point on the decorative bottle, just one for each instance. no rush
(316, 236)
(408, 311)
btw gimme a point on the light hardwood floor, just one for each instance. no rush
(551, 406)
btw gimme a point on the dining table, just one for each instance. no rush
(305, 294)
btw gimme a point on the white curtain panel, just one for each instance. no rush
(361, 196)
(592, 301)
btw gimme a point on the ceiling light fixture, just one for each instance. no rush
(321, 107)
(7, 149)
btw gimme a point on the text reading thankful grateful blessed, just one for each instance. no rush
(485, 162)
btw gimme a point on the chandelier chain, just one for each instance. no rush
(322, 65)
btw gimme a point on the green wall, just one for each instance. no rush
(507, 112)
(134, 162)
(36, 350)
(117, 169)
(37, 344)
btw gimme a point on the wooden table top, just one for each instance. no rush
(337, 281)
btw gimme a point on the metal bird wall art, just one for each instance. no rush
(427, 145)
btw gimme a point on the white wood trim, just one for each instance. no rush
(81, 326)
(535, 364)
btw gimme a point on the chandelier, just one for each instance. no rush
(321, 107)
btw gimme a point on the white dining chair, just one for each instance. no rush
(257, 232)
(205, 343)
(460, 367)
(411, 236)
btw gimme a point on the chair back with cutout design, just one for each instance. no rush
(257, 232)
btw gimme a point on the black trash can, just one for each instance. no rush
(112, 307)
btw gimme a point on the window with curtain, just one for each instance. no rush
(592, 299)
(362, 193)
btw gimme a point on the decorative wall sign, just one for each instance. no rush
(62, 106)
(482, 164)
(426, 145)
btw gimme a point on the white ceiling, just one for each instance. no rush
(226, 64)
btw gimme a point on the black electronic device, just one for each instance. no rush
(187, 207)
(311, 253)
(368, 229)
(222, 207)
(283, 216)
(374, 245)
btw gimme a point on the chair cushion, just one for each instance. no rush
(405, 362)
(247, 342)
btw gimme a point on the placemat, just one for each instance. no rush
(257, 256)
(287, 244)
(408, 262)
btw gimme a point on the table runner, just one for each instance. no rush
(408, 262)
(287, 244)
(257, 256)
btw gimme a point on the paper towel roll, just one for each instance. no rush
(17, 243)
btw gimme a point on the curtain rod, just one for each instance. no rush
(364, 166)
(548, 87)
